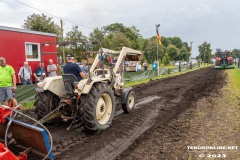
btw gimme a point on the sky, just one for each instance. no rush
(214, 21)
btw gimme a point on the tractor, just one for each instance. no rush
(91, 102)
(223, 59)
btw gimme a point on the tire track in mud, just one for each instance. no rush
(119, 145)
(126, 134)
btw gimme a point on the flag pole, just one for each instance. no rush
(157, 26)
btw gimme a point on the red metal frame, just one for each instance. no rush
(5, 153)
(3, 114)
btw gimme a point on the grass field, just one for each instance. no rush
(217, 120)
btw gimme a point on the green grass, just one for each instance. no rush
(28, 104)
(160, 77)
(168, 66)
(234, 87)
(234, 81)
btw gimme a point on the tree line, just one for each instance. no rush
(116, 35)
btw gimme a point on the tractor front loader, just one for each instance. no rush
(91, 101)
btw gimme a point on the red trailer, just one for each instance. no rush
(20, 45)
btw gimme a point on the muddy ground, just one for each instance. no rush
(159, 127)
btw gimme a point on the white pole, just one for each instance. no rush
(157, 26)
(157, 61)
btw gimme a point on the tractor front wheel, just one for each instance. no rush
(130, 103)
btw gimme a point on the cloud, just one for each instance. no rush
(213, 21)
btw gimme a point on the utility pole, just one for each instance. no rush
(157, 26)
(64, 59)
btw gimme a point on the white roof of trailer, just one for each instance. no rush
(26, 31)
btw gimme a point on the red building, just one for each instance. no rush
(20, 45)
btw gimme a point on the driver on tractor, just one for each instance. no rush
(73, 68)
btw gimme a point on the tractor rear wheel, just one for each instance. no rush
(98, 108)
(130, 104)
(45, 102)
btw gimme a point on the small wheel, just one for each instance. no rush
(130, 104)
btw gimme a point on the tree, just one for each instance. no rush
(166, 59)
(236, 53)
(37, 22)
(113, 28)
(165, 41)
(132, 33)
(75, 35)
(187, 47)
(150, 48)
(98, 35)
(173, 52)
(118, 41)
(205, 51)
(177, 42)
(184, 54)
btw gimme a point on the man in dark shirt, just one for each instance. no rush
(73, 68)
(40, 73)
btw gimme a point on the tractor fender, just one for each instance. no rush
(124, 95)
(85, 89)
(53, 84)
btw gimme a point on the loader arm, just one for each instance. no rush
(125, 51)
(96, 60)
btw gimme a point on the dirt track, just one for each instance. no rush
(157, 129)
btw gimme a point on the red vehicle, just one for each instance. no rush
(223, 59)
(20, 45)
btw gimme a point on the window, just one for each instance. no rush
(32, 51)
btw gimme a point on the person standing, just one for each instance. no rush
(39, 73)
(85, 68)
(51, 69)
(7, 83)
(24, 74)
(138, 67)
(145, 65)
(73, 68)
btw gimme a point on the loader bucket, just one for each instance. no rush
(26, 136)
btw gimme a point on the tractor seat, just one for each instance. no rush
(69, 80)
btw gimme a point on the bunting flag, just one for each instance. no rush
(158, 36)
